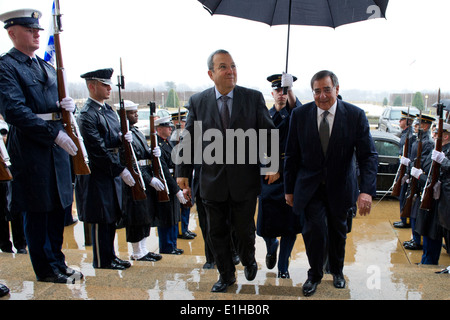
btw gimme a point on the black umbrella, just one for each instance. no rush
(328, 13)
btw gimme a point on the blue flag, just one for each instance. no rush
(49, 55)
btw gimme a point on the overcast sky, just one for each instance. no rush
(170, 40)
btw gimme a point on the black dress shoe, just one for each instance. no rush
(222, 285)
(4, 290)
(57, 278)
(124, 263)
(401, 225)
(74, 274)
(113, 265)
(250, 271)
(284, 275)
(175, 251)
(412, 245)
(338, 281)
(192, 233)
(186, 236)
(22, 251)
(155, 256)
(309, 287)
(208, 265)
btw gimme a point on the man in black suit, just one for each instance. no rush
(325, 137)
(228, 186)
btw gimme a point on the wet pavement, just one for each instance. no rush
(376, 267)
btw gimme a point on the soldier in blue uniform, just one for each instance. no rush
(38, 146)
(427, 148)
(405, 123)
(99, 195)
(275, 217)
(170, 211)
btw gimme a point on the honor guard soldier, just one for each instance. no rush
(140, 214)
(99, 195)
(38, 146)
(429, 224)
(275, 217)
(170, 211)
(179, 120)
(427, 148)
(405, 123)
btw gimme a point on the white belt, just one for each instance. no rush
(54, 116)
(145, 162)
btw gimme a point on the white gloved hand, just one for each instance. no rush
(181, 197)
(67, 104)
(157, 184)
(416, 172)
(157, 151)
(64, 141)
(287, 80)
(404, 161)
(128, 137)
(127, 178)
(437, 156)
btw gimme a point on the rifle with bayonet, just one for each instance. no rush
(413, 182)
(427, 195)
(402, 168)
(138, 190)
(80, 161)
(163, 195)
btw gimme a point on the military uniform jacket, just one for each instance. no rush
(427, 148)
(444, 198)
(99, 195)
(140, 212)
(41, 169)
(275, 217)
(168, 212)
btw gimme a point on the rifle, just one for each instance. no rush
(80, 161)
(163, 196)
(5, 173)
(138, 190)
(402, 168)
(414, 189)
(427, 195)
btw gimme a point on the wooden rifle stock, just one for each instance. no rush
(138, 190)
(406, 212)
(427, 195)
(163, 196)
(80, 161)
(402, 169)
(5, 173)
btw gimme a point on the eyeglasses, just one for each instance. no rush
(326, 90)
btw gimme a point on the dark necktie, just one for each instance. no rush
(224, 113)
(324, 132)
(37, 70)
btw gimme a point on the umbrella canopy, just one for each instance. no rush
(327, 13)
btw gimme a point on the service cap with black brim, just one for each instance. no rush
(22, 17)
(101, 75)
(275, 79)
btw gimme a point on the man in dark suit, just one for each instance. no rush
(320, 174)
(228, 186)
